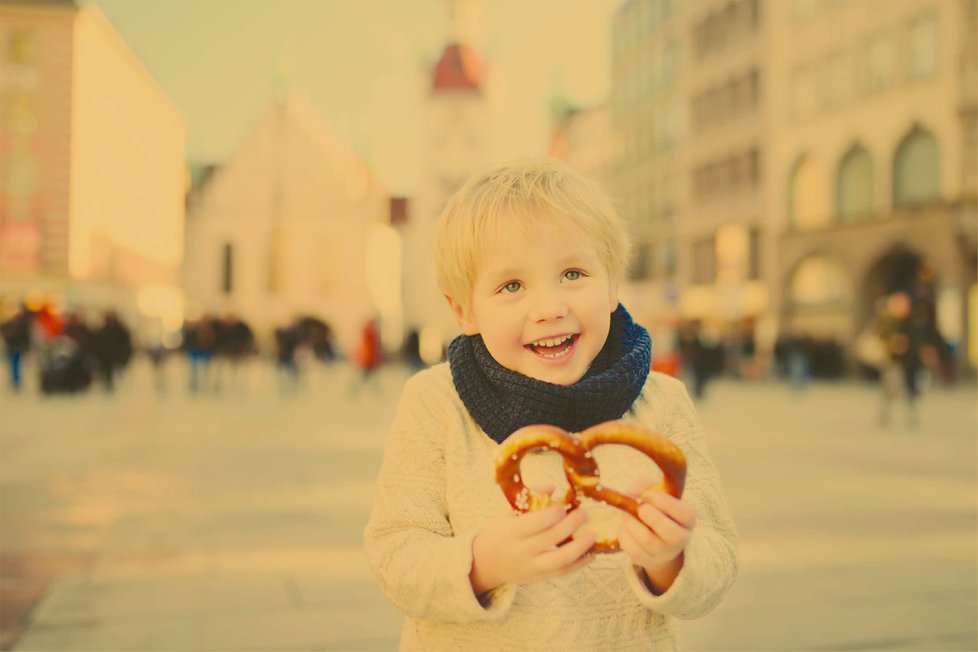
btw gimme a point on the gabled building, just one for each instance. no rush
(282, 229)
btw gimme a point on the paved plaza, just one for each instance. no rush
(232, 520)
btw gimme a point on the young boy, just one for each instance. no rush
(530, 258)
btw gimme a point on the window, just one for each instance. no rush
(833, 81)
(880, 63)
(802, 10)
(668, 64)
(923, 47)
(802, 92)
(666, 258)
(818, 281)
(807, 196)
(275, 262)
(854, 189)
(20, 174)
(754, 257)
(915, 169)
(22, 48)
(21, 113)
(704, 261)
(227, 268)
(754, 167)
(732, 253)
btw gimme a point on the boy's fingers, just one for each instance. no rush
(539, 520)
(562, 529)
(569, 554)
(666, 529)
(640, 533)
(679, 511)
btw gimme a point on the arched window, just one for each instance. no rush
(818, 282)
(915, 169)
(854, 185)
(808, 205)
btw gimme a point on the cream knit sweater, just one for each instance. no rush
(436, 489)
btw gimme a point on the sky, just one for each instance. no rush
(365, 65)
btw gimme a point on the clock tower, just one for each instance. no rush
(454, 146)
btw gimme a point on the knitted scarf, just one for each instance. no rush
(501, 401)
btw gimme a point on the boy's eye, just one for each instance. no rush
(572, 274)
(512, 286)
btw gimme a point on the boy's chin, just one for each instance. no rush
(556, 376)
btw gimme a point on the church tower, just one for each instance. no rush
(455, 145)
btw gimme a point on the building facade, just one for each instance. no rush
(285, 229)
(92, 164)
(647, 122)
(874, 163)
(823, 156)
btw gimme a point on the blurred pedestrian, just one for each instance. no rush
(234, 342)
(411, 351)
(905, 337)
(112, 348)
(797, 358)
(530, 258)
(287, 341)
(200, 343)
(67, 361)
(158, 352)
(368, 355)
(16, 333)
(694, 358)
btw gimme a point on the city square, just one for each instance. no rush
(157, 519)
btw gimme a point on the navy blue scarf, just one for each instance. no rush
(501, 401)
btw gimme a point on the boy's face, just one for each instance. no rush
(542, 303)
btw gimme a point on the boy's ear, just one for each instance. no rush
(463, 318)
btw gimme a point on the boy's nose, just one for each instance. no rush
(548, 306)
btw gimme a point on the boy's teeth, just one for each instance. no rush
(552, 342)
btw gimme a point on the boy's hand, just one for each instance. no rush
(656, 543)
(517, 549)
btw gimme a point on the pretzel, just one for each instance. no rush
(580, 468)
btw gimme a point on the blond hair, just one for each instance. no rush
(529, 192)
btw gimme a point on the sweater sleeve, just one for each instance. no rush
(422, 564)
(710, 560)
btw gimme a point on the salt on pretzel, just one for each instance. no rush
(580, 468)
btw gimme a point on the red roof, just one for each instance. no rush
(458, 69)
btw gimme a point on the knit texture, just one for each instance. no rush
(502, 401)
(436, 489)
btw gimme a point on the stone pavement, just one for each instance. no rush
(232, 521)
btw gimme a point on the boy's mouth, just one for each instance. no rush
(553, 347)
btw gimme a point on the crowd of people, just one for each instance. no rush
(72, 353)
(900, 349)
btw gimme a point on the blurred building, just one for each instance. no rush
(788, 163)
(284, 228)
(725, 267)
(92, 165)
(872, 161)
(646, 109)
(455, 145)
